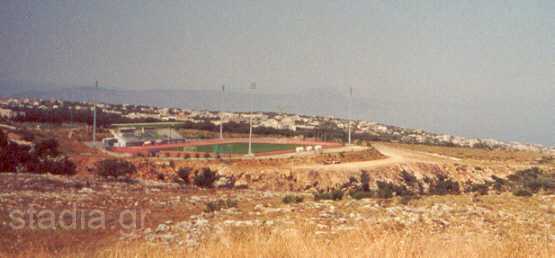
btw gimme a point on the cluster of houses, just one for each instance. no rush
(292, 122)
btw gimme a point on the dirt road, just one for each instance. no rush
(394, 155)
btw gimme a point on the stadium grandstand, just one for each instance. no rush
(140, 134)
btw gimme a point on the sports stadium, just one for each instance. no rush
(163, 139)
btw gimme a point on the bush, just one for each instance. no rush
(444, 185)
(184, 174)
(365, 181)
(205, 178)
(161, 176)
(62, 166)
(533, 180)
(409, 178)
(358, 195)
(13, 155)
(115, 168)
(334, 195)
(3, 139)
(220, 204)
(500, 184)
(292, 199)
(481, 189)
(47, 148)
(525, 175)
(387, 190)
(522, 193)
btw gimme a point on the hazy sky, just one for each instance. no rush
(483, 55)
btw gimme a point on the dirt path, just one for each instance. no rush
(394, 155)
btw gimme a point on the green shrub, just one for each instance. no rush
(205, 178)
(292, 199)
(220, 204)
(115, 168)
(334, 195)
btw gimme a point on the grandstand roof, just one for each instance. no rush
(147, 125)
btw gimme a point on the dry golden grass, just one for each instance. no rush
(475, 153)
(369, 242)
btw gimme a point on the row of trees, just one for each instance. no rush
(66, 115)
(326, 131)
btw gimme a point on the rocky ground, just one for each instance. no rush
(180, 216)
(449, 194)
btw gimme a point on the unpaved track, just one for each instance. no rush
(394, 155)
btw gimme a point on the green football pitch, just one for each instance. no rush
(239, 148)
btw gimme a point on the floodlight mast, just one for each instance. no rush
(70, 108)
(252, 88)
(221, 113)
(94, 113)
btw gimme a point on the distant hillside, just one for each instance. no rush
(311, 102)
(462, 115)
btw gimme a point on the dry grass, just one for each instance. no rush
(475, 153)
(369, 242)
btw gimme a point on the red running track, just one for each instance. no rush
(147, 148)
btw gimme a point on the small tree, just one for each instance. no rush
(205, 178)
(115, 168)
(184, 173)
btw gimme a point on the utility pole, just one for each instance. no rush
(94, 113)
(70, 108)
(349, 111)
(221, 113)
(252, 88)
